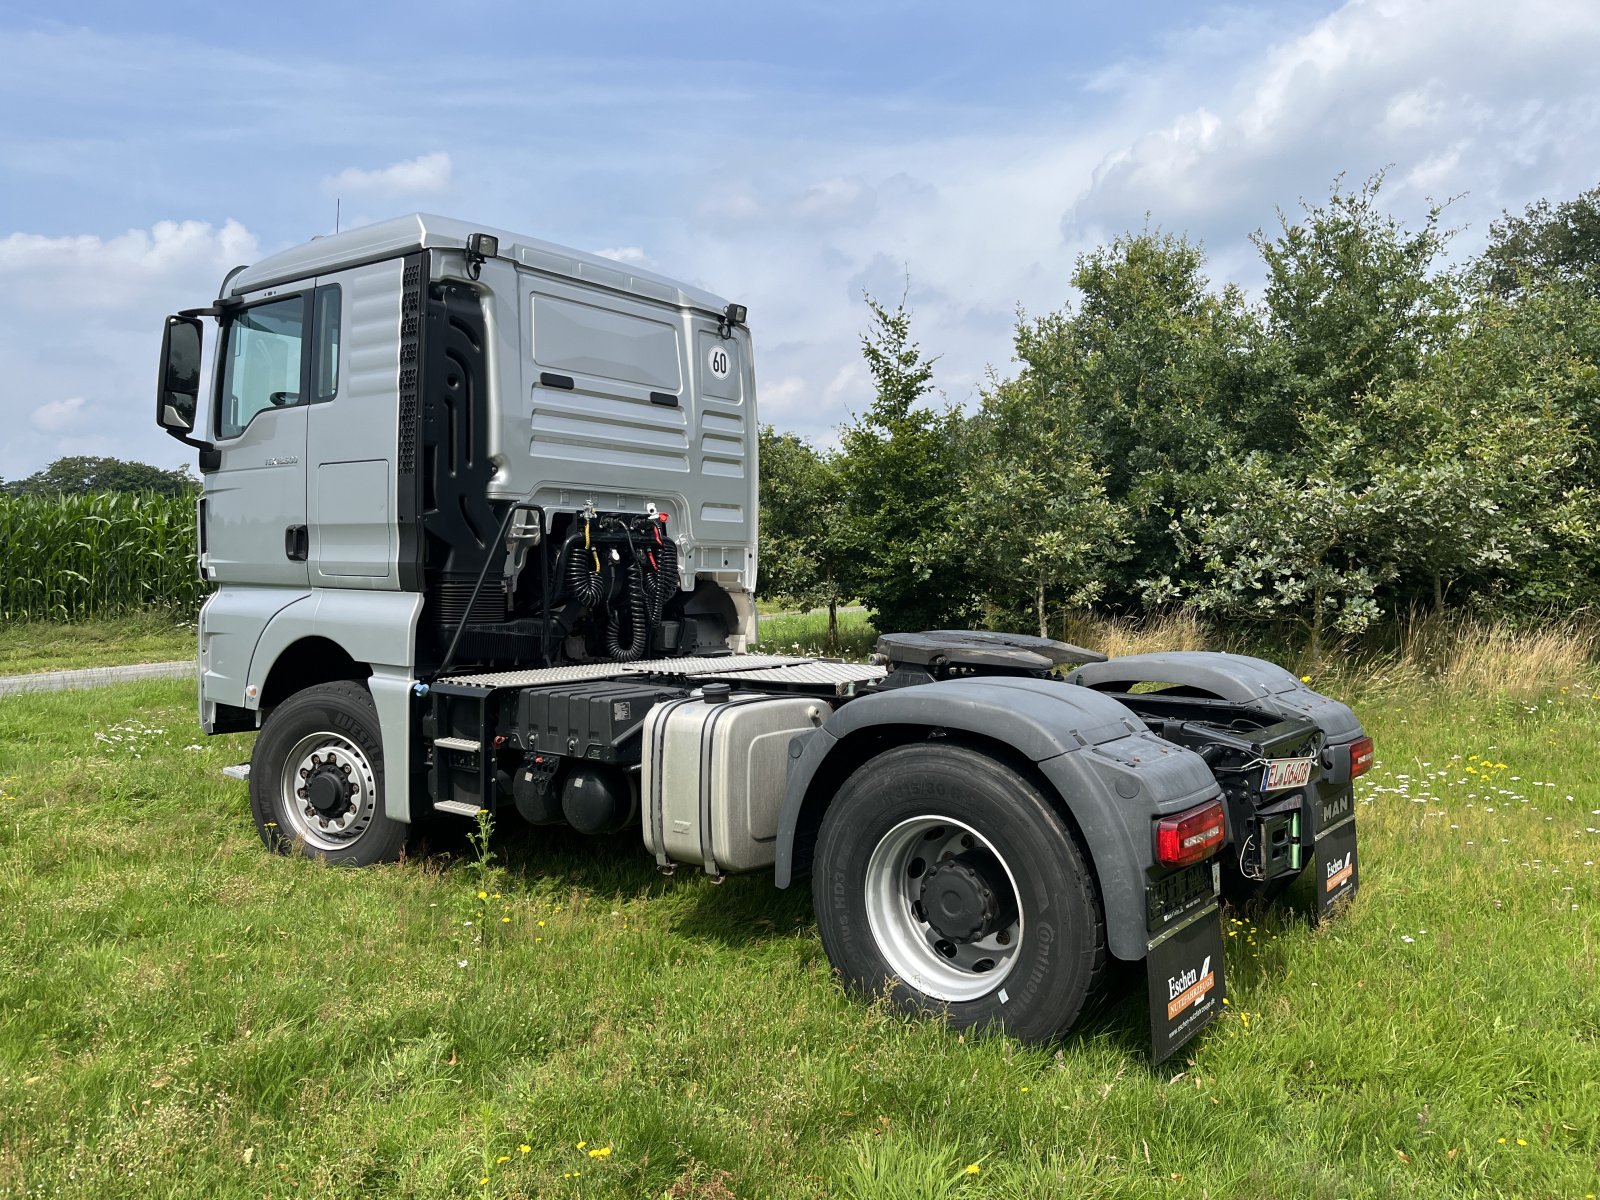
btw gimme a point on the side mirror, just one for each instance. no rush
(178, 387)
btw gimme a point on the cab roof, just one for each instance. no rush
(422, 231)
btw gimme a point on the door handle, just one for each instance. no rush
(297, 543)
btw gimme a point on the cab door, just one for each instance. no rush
(255, 501)
(353, 428)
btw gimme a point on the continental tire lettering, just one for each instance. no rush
(1045, 935)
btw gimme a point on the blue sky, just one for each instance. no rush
(789, 156)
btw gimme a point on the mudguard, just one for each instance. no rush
(375, 628)
(1329, 833)
(1237, 678)
(1113, 776)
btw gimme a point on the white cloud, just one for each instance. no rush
(1454, 94)
(83, 316)
(633, 255)
(55, 415)
(414, 176)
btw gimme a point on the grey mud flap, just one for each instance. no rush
(1184, 973)
(1338, 870)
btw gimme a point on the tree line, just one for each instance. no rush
(1381, 430)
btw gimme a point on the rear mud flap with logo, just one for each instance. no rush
(1184, 973)
(1337, 868)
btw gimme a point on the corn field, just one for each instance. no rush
(65, 558)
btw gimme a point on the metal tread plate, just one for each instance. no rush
(722, 665)
(839, 676)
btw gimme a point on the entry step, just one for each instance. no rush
(460, 807)
(455, 743)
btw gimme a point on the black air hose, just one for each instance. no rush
(661, 583)
(585, 584)
(638, 620)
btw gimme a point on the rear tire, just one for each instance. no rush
(316, 779)
(951, 880)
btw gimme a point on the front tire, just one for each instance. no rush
(316, 779)
(950, 880)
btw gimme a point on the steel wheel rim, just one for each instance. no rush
(323, 751)
(907, 941)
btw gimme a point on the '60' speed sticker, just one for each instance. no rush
(719, 362)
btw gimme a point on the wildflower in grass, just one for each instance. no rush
(484, 1182)
(581, 1145)
(600, 1152)
(973, 1169)
(504, 1158)
(524, 1148)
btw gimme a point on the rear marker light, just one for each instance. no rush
(1360, 756)
(1191, 836)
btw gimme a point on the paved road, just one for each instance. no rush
(93, 677)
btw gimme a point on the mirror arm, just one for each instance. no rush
(218, 310)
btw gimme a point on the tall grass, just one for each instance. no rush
(70, 558)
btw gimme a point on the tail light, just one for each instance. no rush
(1190, 836)
(1360, 756)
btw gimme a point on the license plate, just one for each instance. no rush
(1284, 773)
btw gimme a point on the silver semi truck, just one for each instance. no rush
(481, 517)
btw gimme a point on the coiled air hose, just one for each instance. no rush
(638, 620)
(585, 583)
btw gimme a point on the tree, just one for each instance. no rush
(1323, 510)
(1547, 244)
(904, 464)
(1274, 547)
(1354, 303)
(80, 474)
(805, 546)
(1143, 377)
(1038, 523)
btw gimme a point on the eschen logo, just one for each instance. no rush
(1340, 870)
(1189, 988)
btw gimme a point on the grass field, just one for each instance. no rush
(182, 1014)
(151, 636)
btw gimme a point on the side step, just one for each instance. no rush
(456, 743)
(459, 807)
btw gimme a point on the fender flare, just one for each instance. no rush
(374, 628)
(1236, 678)
(1083, 744)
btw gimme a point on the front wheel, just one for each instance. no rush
(316, 779)
(952, 881)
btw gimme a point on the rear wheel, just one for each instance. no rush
(951, 880)
(316, 779)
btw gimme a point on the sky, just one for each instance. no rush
(792, 157)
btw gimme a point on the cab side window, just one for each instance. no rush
(264, 365)
(325, 360)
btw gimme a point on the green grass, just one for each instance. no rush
(151, 636)
(182, 1014)
(807, 634)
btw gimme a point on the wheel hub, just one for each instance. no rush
(962, 901)
(328, 789)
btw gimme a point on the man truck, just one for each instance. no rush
(481, 517)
